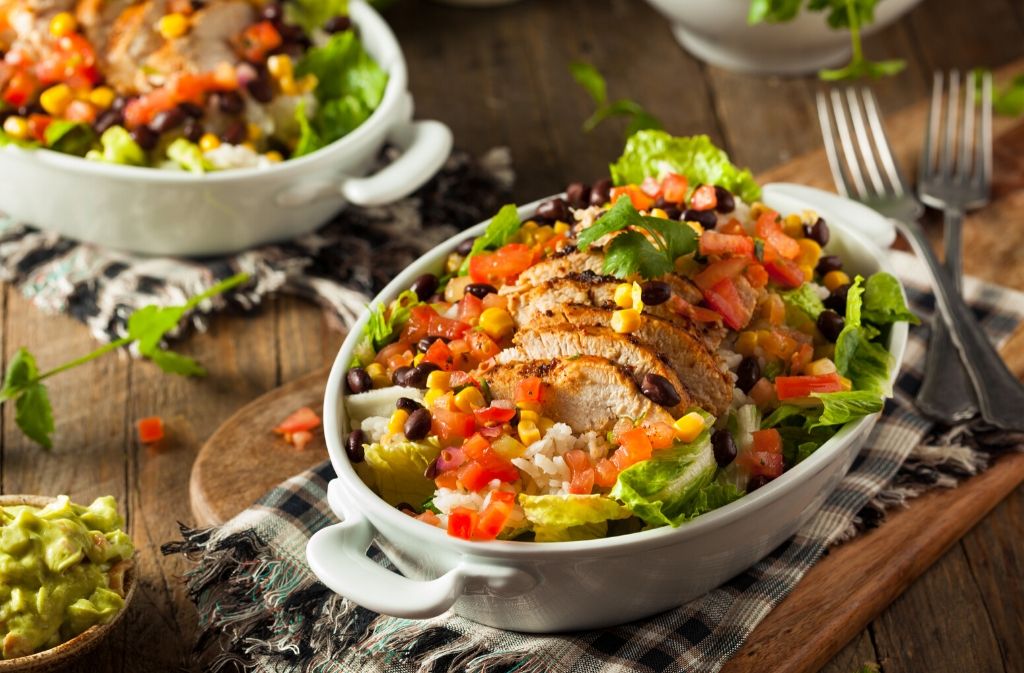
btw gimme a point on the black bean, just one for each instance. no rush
(837, 299)
(30, 109)
(358, 380)
(191, 109)
(726, 201)
(107, 119)
(167, 120)
(425, 285)
(417, 377)
(405, 508)
(725, 447)
(830, 324)
(235, 133)
(120, 102)
(660, 390)
(431, 472)
(229, 102)
(354, 446)
(400, 376)
(338, 24)
(481, 290)
(144, 137)
(829, 263)
(555, 210)
(748, 373)
(417, 426)
(465, 247)
(272, 12)
(673, 212)
(756, 482)
(192, 130)
(601, 192)
(408, 404)
(817, 232)
(261, 87)
(292, 33)
(705, 218)
(655, 292)
(424, 344)
(578, 195)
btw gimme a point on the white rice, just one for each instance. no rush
(375, 428)
(235, 156)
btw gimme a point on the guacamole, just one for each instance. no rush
(61, 571)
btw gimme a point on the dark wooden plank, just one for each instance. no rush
(979, 34)
(304, 338)
(854, 656)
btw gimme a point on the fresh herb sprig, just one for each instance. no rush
(593, 82)
(647, 246)
(853, 15)
(23, 382)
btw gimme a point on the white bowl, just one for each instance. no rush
(561, 586)
(178, 213)
(717, 31)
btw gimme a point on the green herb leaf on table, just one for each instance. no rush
(593, 82)
(1010, 101)
(32, 410)
(502, 229)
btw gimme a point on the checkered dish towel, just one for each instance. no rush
(262, 608)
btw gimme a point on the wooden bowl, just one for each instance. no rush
(57, 658)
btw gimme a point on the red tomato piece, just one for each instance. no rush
(20, 89)
(636, 444)
(461, 523)
(731, 226)
(581, 471)
(299, 420)
(494, 415)
(723, 269)
(758, 463)
(789, 387)
(767, 441)
(258, 40)
(704, 198)
(475, 447)
(662, 435)
(769, 228)
(530, 389)
(37, 124)
(715, 243)
(506, 262)
(494, 300)
(150, 429)
(503, 496)
(80, 111)
(637, 197)
(470, 308)
(651, 187)
(756, 275)
(674, 188)
(439, 354)
(449, 480)
(785, 272)
(452, 425)
(481, 346)
(494, 517)
(301, 438)
(605, 473)
(725, 300)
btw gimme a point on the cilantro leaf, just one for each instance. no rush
(1010, 101)
(620, 216)
(631, 253)
(679, 239)
(34, 414)
(175, 363)
(773, 11)
(592, 81)
(21, 371)
(502, 228)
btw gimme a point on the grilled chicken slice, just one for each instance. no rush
(587, 393)
(561, 265)
(564, 340)
(208, 43)
(695, 367)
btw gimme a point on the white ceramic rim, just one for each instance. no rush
(609, 546)
(391, 59)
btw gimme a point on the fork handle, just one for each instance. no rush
(1000, 395)
(946, 393)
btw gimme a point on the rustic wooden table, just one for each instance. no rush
(499, 77)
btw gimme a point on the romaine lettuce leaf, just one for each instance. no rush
(313, 14)
(386, 321)
(70, 137)
(570, 517)
(673, 486)
(8, 139)
(806, 299)
(117, 147)
(883, 301)
(651, 153)
(857, 357)
(843, 407)
(396, 470)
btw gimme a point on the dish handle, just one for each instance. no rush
(337, 555)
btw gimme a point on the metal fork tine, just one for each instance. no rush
(864, 140)
(964, 160)
(831, 151)
(846, 141)
(983, 171)
(949, 137)
(892, 169)
(928, 152)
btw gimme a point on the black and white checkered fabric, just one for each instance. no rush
(261, 607)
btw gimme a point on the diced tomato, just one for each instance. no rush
(461, 522)
(20, 89)
(763, 393)
(756, 275)
(704, 198)
(150, 429)
(767, 441)
(581, 471)
(481, 346)
(636, 196)
(651, 187)
(674, 188)
(452, 425)
(725, 300)
(493, 518)
(773, 309)
(777, 344)
(299, 420)
(714, 243)
(789, 387)
(449, 480)
(661, 435)
(723, 269)
(471, 476)
(801, 358)
(301, 438)
(731, 226)
(80, 111)
(470, 308)
(494, 415)
(476, 474)
(530, 389)
(785, 272)
(494, 300)
(769, 228)
(475, 447)
(37, 125)
(505, 263)
(425, 321)
(637, 445)
(430, 518)
(605, 473)
(439, 354)
(258, 40)
(764, 464)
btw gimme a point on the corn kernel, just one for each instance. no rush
(746, 343)
(16, 127)
(378, 375)
(273, 156)
(562, 228)
(529, 416)
(528, 432)
(807, 271)
(624, 295)
(254, 130)
(846, 383)
(820, 367)
(280, 66)
(208, 142)
(545, 424)
(508, 446)
(397, 421)
(696, 226)
(544, 234)
(56, 99)
(417, 359)
(468, 399)
(439, 380)
(689, 426)
(626, 321)
(528, 406)
(288, 86)
(659, 213)
(249, 146)
(756, 209)
(793, 226)
(834, 279)
(810, 252)
(307, 84)
(432, 396)
(496, 322)
(63, 24)
(172, 25)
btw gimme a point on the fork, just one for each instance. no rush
(1000, 395)
(954, 181)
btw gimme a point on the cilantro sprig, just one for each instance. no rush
(593, 82)
(23, 381)
(645, 246)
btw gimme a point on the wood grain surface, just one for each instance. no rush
(499, 76)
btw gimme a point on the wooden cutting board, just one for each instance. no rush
(845, 590)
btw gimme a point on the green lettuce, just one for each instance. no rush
(313, 14)
(675, 485)
(842, 407)
(651, 153)
(570, 517)
(806, 299)
(502, 228)
(396, 470)
(883, 301)
(8, 139)
(117, 147)
(857, 356)
(70, 137)
(387, 320)
(188, 155)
